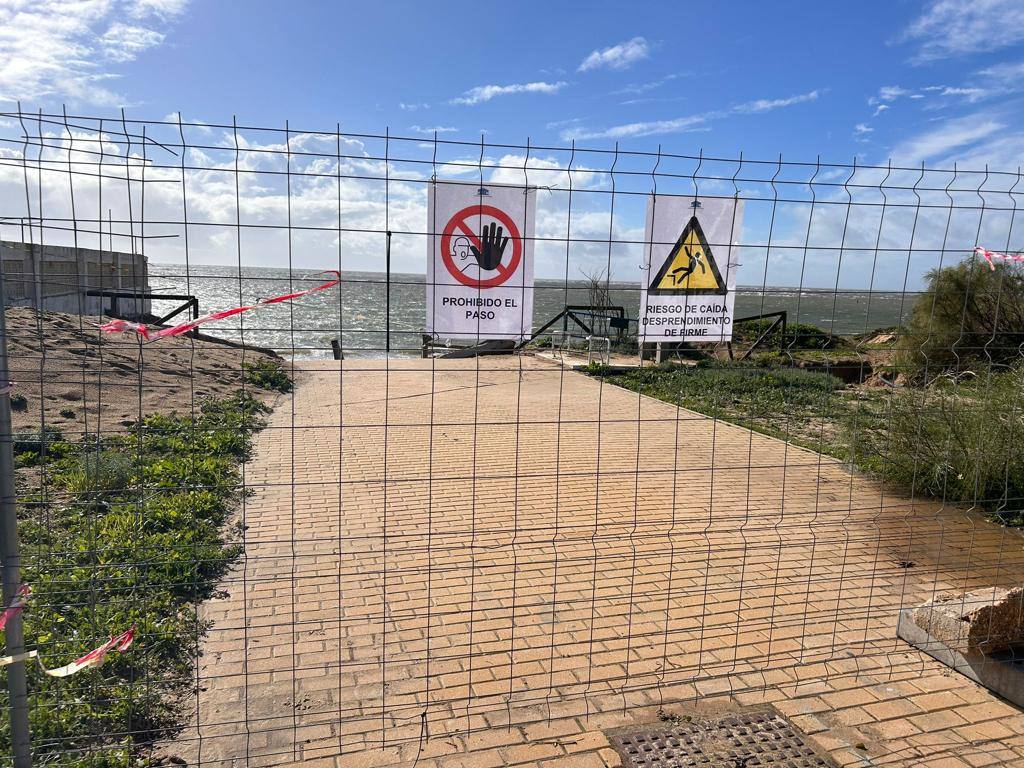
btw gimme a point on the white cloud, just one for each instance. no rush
(321, 184)
(562, 123)
(766, 105)
(124, 42)
(634, 130)
(192, 123)
(956, 134)
(412, 107)
(547, 172)
(620, 56)
(487, 92)
(637, 89)
(950, 28)
(431, 130)
(687, 123)
(68, 51)
(1007, 72)
(564, 242)
(969, 94)
(860, 129)
(165, 9)
(888, 94)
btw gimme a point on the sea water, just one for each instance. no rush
(364, 314)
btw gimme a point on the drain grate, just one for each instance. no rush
(745, 740)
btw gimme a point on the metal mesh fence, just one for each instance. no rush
(422, 548)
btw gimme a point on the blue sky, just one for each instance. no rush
(793, 77)
(933, 82)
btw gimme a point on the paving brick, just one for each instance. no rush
(937, 721)
(530, 753)
(585, 742)
(784, 582)
(888, 710)
(587, 760)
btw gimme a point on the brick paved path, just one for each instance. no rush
(492, 557)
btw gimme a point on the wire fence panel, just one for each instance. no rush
(341, 468)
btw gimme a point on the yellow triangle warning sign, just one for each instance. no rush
(690, 266)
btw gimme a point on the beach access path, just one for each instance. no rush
(496, 561)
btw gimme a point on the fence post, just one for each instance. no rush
(17, 686)
(387, 296)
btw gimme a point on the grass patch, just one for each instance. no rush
(131, 532)
(799, 337)
(789, 403)
(957, 439)
(268, 374)
(954, 440)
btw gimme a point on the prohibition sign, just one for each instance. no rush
(460, 221)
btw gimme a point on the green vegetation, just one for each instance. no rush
(799, 337)
(19, 402)
(131, 531)
(268, 374)
(31, 447)
(952, 432)
(803, 406)
(953, 440)
(67, 413)
(969, 318)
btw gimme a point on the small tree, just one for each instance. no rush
(969, 318)
(599, 298)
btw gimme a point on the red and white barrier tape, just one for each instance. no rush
(17, 605)
(93, 658)
(145, 332)
(989, 255)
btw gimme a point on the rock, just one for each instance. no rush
(987, 621)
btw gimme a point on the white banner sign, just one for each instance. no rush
(690, 264)
(480, 261)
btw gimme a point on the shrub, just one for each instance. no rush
(268, 374)
(48, 442)
(67, 413)
(19, 402)
(969, 318)
(102, 472)
(955, 441)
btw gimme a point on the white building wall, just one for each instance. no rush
(56, 278)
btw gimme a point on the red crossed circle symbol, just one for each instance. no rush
(461, 222)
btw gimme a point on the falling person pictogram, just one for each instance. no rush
(689, 267)
(679, 274)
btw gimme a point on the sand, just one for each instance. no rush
(86, 380)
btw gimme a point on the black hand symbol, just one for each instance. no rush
(492, 245)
